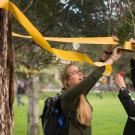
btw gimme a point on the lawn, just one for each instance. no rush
(108, 119)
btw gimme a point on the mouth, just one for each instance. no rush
(81, 79)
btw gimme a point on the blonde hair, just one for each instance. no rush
(84, 109)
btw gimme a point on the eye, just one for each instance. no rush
(68, 76)
(80, 72)
(76, 72)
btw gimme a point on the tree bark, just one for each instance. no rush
(33, 105)
(6, 75)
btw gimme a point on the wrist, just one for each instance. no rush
(108, 52)
(101, 60)
(104, 57)
(112, 59)
(109, 61)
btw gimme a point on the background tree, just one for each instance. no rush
(6, 75)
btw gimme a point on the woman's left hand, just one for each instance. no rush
(109, 50)
(116, 54)
(111, 47)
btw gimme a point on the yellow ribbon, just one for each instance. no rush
(39, 39)
(86, 40)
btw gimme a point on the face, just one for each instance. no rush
(75, 76)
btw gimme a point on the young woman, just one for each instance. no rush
(73, 99)
(127, 101)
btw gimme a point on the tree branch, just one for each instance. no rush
(28, 6)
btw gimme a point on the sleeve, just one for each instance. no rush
(127, 102)
(132, 65)
(72, 94)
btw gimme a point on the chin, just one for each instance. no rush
(77, 82)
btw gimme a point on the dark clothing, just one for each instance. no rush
(20, 89)
(70, 100)
(132, 65)
(20, 92)
(129, 106)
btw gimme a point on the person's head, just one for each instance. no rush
(71, 75)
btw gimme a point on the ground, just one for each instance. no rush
(108, 119)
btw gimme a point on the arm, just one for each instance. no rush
(124, 96)
(73, 93)
(85, 86)
(127, 102)
(132, 62)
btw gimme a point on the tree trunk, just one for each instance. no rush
(33, 105)
(6, 75)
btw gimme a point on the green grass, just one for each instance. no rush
(108, 119)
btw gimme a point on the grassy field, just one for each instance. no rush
(109, 116)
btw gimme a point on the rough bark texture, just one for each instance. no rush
(6, 75)
(33, 105)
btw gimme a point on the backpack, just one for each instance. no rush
(52, 119)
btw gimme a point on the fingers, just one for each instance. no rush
(116, 79)
(118, 50)
(115, 38)
(116, 54)
(132, 41)
(117, 76)
(111, 47)
(119, 81)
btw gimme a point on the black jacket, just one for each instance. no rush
(132, 65)
(129, 104)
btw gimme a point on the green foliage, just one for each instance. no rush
(126, 24)
(72, 18)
